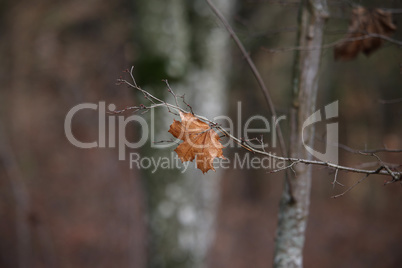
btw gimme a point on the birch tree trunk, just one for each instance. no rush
(294, 205)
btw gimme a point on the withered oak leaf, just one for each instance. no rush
(199, 140)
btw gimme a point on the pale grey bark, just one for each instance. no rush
(295, 201)
(164, 34)
(207, 81)
(197, 53)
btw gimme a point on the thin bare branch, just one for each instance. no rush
(184, 101)
(351, 187)
(171, 91)
(382, 170)
(372, 151)
(259, 79)
(166, 141)
(286, 167)
(132, 76)
(393, 10)
(385, 166)
(376, 164)
(313, 162)
(330, 45)
(280, 2)
(335, 181)
(390, 101)
(254, 70)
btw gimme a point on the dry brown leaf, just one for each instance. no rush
(365, 21)
(199, 140)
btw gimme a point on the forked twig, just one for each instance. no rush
(351, 187)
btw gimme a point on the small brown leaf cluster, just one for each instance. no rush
(364, 22)
(199, 140)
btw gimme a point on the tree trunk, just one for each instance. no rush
(195, 59)
(294, 205)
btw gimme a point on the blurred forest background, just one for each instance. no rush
(61, 206)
